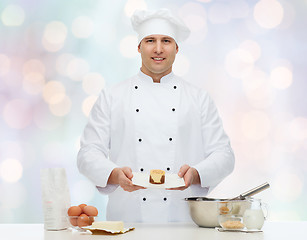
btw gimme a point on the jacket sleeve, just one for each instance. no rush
(218, 155)
(93, 157)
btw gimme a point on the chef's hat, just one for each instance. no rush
(161, 22)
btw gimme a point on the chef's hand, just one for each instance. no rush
(122, 177)
(190, 176)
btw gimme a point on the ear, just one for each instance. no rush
(177, 48)
(139, 48)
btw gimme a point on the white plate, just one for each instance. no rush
(171, 181)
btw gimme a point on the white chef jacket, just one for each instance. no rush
(146, 125)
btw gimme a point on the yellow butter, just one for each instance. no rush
(109, 225)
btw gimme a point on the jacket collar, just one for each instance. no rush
(165, 79)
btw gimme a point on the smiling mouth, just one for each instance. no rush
(159, 59)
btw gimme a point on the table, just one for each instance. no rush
(177, 231)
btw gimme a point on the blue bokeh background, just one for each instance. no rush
(55, 57)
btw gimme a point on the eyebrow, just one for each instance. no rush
(163, 38)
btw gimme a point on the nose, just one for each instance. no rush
(158, 47)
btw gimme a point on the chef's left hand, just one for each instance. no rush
(190, 176)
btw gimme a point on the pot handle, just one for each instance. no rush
(265, 210)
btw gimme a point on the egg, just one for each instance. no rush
(92, 219)
(83, 220)
(74, 211)
(90, 211)
(82, 206)
(73, 220)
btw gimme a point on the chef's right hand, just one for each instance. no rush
(122, 177)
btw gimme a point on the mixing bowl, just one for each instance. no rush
(205, 211)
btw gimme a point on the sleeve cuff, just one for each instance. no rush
(107, 189)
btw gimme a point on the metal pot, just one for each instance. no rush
(205, 211)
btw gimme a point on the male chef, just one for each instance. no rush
(154, 120)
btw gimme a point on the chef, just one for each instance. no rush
(154, 120)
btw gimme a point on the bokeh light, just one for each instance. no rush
(93, 83)
(88, 104)
(132, 5)
(239, 63)
(82, 27)
(54, 36)
(298, 128)
(258, 90)
(268, 13)
(128, 46)
(252, 47)
(281, 77)
(77, 68)
(196, 20)
(11, 170)
(55, 32)
(54, 92)
(17, 113)
(13, 15)
(182, 65)
(33, 83)
(62, 62)
(62, 107)
(77, 143)
(34, 65)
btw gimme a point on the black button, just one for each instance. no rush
(168, 169)
(142, 169)
(173, 109)
(175, 87)
(170, 139)
(140, 140)
(137, 110)
(165, 199)
(144, 199)
(136, 87)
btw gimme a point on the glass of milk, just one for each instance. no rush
(253, 218)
